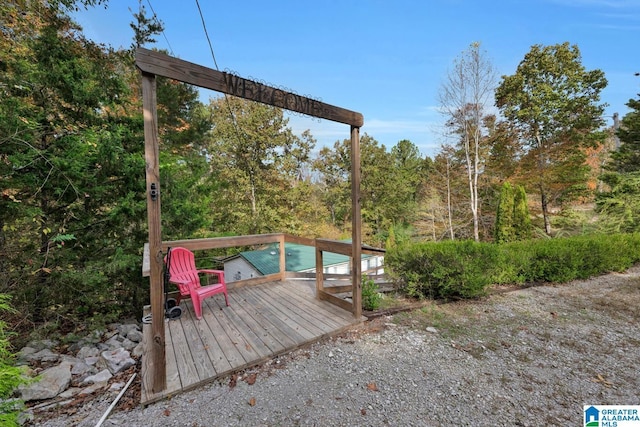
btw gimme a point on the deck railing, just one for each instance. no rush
(325, 290)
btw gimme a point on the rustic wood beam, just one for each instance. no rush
(283, 259)
(319, 272)
(167, 66)
(152, 162)
(343, 304)
(356, 223)
(222, 242)
(334, 246)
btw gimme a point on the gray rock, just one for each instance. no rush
(70, 392)
(52, 382)
(114, 342)
(101, 377)
(93, 388)
(128, 344)
(23, 356)
(124, 330)
(135, 336)
(102, 347)
(88, 351)
(42, 344)
(81, 368)
(431, 330)
(117, 360)
(116, 386)
(92, 361)
(44, 355)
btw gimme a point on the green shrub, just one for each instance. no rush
(465, 269)
(444, 270)
(10, 376)
(370, 294)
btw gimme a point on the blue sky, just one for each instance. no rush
(383, 58)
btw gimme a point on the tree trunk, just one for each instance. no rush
(545, 211)
(449, 213)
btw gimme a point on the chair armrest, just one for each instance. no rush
(182, 280)
(211, 271)
(218, 273)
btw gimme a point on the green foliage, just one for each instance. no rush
(464, 269)
(504, 230)
(443, 270)
(627, 157)
(144, 28)
(553, 102)
(512, 218)
(619, 204)
(521, 218)
(260, 165)
(389, 185)
(10, 376)
(73, 211)
(370, 294)
(578, 257)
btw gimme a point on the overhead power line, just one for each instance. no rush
(206, 33)
(236, 127)
(155, 16)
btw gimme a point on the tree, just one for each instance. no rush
(72, 202)
(619, 204)
(407, 168)
(333, 166)
(512, 217)
(504, 231)
(144, 28)
(627, 157)
(445, 184)
(58, 109)
(464, 98)
(259, 162)
(389, 185)
(553, 101)
(521, 218)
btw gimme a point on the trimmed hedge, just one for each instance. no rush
(464, 269)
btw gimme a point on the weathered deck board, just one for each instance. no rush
(257, 324)
(261, 322)
(310, 305)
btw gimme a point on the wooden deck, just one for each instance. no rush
(261, 322)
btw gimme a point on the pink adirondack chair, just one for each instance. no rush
(186, 276)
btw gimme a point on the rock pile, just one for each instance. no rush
(84, 367)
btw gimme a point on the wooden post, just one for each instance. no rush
(356, 221)
(319, 272)
(151, 155)
(283, 259)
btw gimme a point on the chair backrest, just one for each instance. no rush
(183, 265)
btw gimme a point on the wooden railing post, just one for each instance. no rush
(356, 231)
(283, 258)
(151, 154)
(319, 272)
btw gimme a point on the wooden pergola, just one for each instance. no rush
(153, 64)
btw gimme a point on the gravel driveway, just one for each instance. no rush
(519, 358)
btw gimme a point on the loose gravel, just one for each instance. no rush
(527, 357)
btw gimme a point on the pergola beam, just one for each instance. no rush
(163, 65)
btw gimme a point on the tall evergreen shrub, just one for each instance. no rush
(521, 218)
(504, 216)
